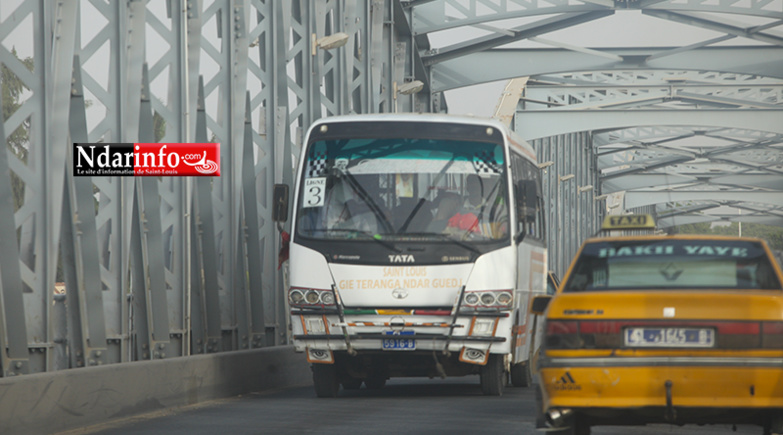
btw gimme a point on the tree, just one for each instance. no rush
(773, 235)
(18, 141)
(159, 126)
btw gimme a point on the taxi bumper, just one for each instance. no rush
(626, 383)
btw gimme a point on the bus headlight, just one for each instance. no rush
(311, 297)
(327, 298)
(497, 299)
(302, 297)
(488, 299)
(504, 298)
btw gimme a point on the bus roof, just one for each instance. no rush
(514, 140)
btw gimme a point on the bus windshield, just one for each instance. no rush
(662, 264)
(403, 189)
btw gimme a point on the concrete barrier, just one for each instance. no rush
(50, 402)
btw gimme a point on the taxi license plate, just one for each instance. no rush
(669, 337)
(402, 340)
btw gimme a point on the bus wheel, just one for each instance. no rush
(352, 383)
(375, 382)
(520, 375)
(493, 376)
(325, 380)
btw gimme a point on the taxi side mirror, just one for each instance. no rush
(539, 304)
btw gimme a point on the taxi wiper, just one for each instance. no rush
(374, 237)
(446, 238)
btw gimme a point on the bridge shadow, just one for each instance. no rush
(420, 387)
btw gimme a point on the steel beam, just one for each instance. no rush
(16, 360)
(524, 31)
(431, 16)
(684, 220)
(644, 197)
(536, 124)
(205, 299)
(510, 63)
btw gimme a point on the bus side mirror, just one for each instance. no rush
(280, 203)
(526, 200)
(539, 304)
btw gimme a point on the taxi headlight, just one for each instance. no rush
(471, 299)
(488, 299)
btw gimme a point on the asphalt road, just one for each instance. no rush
(404, 406)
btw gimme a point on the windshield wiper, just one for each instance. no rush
(446, 238)
(374, 237)
(481, 210)
(374, 208)
(421, 200)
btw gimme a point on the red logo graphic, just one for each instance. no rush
(177, 159)
(205, 166)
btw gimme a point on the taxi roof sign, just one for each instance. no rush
(629, 222)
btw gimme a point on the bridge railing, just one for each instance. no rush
(102, 270)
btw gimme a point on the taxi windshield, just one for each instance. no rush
(662, 264)
(404, 190)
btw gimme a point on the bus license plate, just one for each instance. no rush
(398, 342)
(669, 337)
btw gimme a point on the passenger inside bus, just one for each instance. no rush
(469, 216)
(412, 215)
(475, 199)
(447, 205)
(367, 213)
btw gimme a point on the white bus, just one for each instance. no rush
(417, 242)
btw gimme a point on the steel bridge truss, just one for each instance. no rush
(690, 132)
(155, 268)
(678, 140)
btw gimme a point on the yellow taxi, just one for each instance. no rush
(680, 329)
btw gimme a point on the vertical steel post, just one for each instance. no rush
(255, 296)
(206, 305)
(15, 360)
(281, 148)
(148, 230)
(85, 288)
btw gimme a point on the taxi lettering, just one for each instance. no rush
(620, 221)
(716, 250)
(636, 251)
